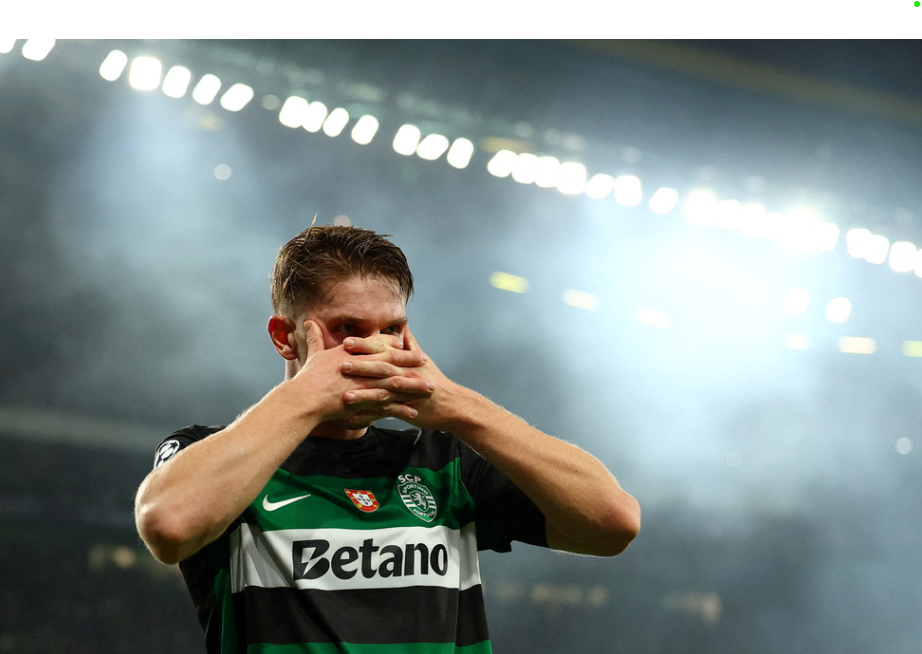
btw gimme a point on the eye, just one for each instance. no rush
(392, 331)
(347, 328)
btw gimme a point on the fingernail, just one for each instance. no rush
(350, 397)
(425, 358)
(347, 366)
(349, 342)
(413, 413)
(431, 386)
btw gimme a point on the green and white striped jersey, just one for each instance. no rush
(366, 546)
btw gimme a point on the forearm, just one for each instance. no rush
(585, 508)
(192, 499)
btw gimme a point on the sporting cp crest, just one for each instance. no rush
(364, 500)
(417, 497)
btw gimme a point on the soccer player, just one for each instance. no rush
(304, 527)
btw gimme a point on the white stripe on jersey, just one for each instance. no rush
(350, 559)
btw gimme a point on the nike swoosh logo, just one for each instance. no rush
(274, 506)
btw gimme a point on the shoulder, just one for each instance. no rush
(180, 439)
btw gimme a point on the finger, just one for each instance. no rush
(409, 341)
(314, 337)
(373, 345)
(381, 368)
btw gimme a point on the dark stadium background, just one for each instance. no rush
(780, 486)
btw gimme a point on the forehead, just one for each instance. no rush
(364, 297)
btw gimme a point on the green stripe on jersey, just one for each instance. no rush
(364, 648)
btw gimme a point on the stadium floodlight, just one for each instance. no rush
(432, 147)
(176, 82)
(547, 172)
(315, 116)
(878, 246)
(796, 301)
(293, 112)
(728, 214)
(857, 241)
(113, 65)
(838, 310)
(628, 190)
(700, 208)
(826, 235)
(797, 341)
(572, 178)
(502, 163)
(460, 153)
(525, 167)
(600, 186)
(654, 318)
(365, 129)
(581, 299)
(508, 282)
(903, 256)
(754, 220)
(7, 45)
(336, 122)
(144, 74)
(237, 97)
(37, 49)
(406, 139)
(207, 89)
(664, 200)
(857, 345)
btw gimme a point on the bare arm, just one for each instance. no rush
(226, 471)
(585, 509)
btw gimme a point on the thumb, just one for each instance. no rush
(313, 336)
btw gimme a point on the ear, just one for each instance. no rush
(282, 334)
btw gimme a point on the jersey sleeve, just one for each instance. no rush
(503, 513)
(181, 439)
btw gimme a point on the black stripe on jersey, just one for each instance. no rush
(403, 615)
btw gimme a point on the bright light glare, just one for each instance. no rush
(912, 348)
(460, 153)
(237, 97)
(838, 310)
(903, 445)
(857, 345)
(654, 318)
(432, 147)
(547, 172)
(113, 65)
(7, 45)
(664, 200)
(572, 178)
(728, 214)
(903, 256)
(856, 242)
(797, 341)
(37, 49)
(600, 186)
(207, 88)
(628, 191)
(314, 117)
(799, 231)
(365, 129)
(700, 207)
(406, 140)
(525, 167)
(581, 299)
(508, 282)
(144, 74)
(336, 122)
(878, 246)
(754, 220)
(176, 82)
(826, 235)
(796, 302)
(293, 111)
(502, 163)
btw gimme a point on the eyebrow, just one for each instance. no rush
(361, 321)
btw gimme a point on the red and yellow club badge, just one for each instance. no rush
(363, 499)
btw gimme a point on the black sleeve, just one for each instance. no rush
(503, 513)
(181, 439)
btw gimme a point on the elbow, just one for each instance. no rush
(166, 538)
(622, 526)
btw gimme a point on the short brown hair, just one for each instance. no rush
(322, 255)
